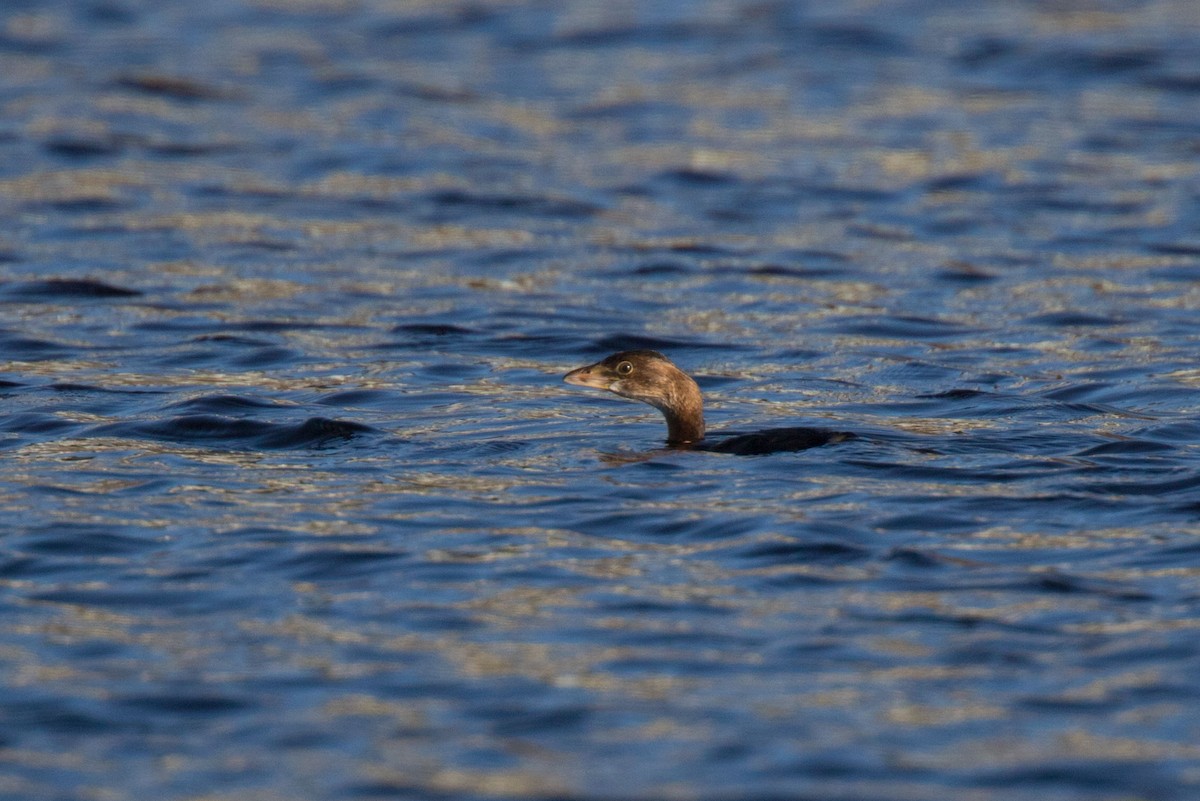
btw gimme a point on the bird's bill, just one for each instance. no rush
(590, 376)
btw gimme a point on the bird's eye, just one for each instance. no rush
(624, 368)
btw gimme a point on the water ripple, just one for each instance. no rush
(217, 430)
(296, 502)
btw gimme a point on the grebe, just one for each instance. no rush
(650, 377)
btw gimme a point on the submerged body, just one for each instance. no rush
(650, 377)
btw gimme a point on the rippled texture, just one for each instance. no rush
(298, 507)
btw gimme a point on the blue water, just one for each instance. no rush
(297, 506)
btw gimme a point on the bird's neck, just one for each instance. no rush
(684, 411)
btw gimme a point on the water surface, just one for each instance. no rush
(298, 507)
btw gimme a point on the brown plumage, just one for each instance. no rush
(650, 377)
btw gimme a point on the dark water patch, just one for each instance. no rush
(946, 618)
(796, 551)
(1088, 205)
(687, 664)
(615, 342)
(1076, 392)
(59, 715)
(806, 264)
(918, 372)
(1108, 142)
(440, 619)
(359, 84)
(233, 352)
(691, 246)
(1057, 582)
(398, 789)
(985, 51)
(1096, 62)
(1058, 404)
(700, 248)
(1172, 554)
(1126, 447)
(55, 289)
(82, 205)
(233, 339)
(221, 191)
(158, 598)
(1089, 396)
(318, 564)
(690, 176)
(1171, 80)
(265, 357)
(948, 225)
(959, 182)
(263, 244)
(43, 44)
(929, 521)
(489, 258)
(801, 579)
(700, 637)
(648, 34)
(439, 21)
(186, 702)
(35, 423)
(223, 404)
(855, 38)
(17, 566)
(918, 559)
(799, 356)
(438, 374)
(1173, 249)
(71, 387)
(217, 431)
(950, 474)
(174, 87)
(789, 271)
(29, 349)
(538, 717)
(498, 447)
(537, 343)
(265, 535)
(82, 148)
(1134, 653)
(624, 111)
(454, 203)
(181, 148)
(433, 330)
(1174, 432)
(852, 194)
(289, 325)
(1013, 61)
(356, 398)
(663, 269)
(1110, 775)
(900, 327)
(1146, 487)
(435, 93)
(811, 256)
(653, 525)
(187, 322)
(965, 273)
(84, 540)
(710, 382)
(882, 232)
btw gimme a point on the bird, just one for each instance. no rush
(650, 377)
